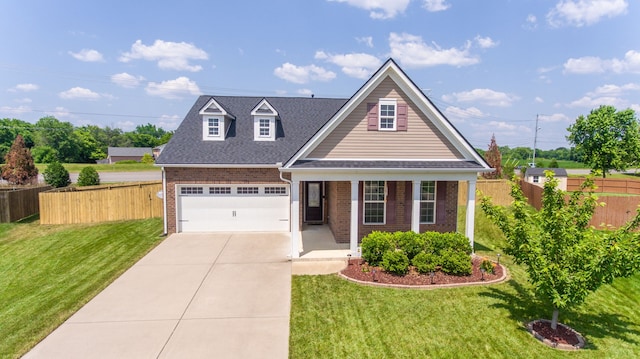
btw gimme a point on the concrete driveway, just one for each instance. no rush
(193, 296)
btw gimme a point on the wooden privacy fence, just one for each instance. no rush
(617, 211)
(101, 203)
(498, 190)
(19, 202)
(607, 185)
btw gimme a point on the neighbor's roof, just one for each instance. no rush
(559, 172)
(299, 118)
(128, 151)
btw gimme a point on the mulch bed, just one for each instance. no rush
(359, 270)
(563, 337)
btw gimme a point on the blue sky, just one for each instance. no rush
(489, 66)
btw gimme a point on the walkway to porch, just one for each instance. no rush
(318, 243)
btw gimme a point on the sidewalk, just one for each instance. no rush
(193, 296)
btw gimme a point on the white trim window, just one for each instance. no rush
(387, 116)
(536, 179)
(428, 202)
(373, 194)
(264, 127)
(213, 126)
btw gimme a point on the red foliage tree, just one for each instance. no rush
(494, 159)
(19, 168)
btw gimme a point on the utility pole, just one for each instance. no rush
(535, 142)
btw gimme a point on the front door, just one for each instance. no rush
(313, 206)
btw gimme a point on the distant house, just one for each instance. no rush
(117, 154)
(536, 176)
(157, 151)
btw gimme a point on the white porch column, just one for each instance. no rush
(415, 208)
(353, 233)
(295, 218)
(471, 211)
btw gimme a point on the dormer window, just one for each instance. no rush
(215, 121)
(264, 121)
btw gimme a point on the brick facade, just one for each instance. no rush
(339, 204)
(183, 175)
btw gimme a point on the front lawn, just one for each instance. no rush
(48, 272)
(333, 318)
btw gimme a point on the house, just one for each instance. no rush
(537, 177)
(385, 159)
(158, 150)
(117, 154)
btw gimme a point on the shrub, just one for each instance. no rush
(375, 245)
(487, 265)
(410, 243)
(456, 263)
(88, 177)
(425, 262)
(457, 242)
(56, 175)
(147, 158)
(396, 262)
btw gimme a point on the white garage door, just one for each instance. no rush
(233, 208)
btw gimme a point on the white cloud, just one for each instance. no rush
(606, 95)
(367, 40)
(501, 125)
(531, 23)
(595, 65)
(615, 90)
(303, 74)
(15, 110)
(556, 117)
(486, 42)
(379, 9)
(87, 55)
(635, 107)
(59, 112)
(126, 80)
(169, 122)
(359, 65)
(460, 115)
(126, 125)
(593, 102)
(169, 55)
(584, 12)
(173, 89)
(305, 92)
(539, 99)
(24, 100)
(24, 88)
(486, 96)
(436, 5)
(412, 51)
(79, 93)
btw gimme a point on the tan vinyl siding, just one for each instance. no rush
(352, 140)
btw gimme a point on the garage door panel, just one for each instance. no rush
(226, 213)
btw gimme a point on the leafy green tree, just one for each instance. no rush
(494, 159)
(19, 168)
(142, 139)
(147, 158)
(57, 135)
(56, 175)
(10, 129)
(565, 257)
(44, 154)
(88, 177)
(553, 163)
(607, 139)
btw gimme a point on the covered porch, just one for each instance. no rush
(330, 217)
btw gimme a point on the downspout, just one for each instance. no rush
(164, 201)
(279, 164)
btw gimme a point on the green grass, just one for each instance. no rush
(48, 272)
(561, 163)
(116, 167)
(333, 318)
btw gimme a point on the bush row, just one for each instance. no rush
(427, 252)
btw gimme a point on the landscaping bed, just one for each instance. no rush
(359, 270)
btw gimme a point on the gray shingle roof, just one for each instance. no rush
(299, 119)
(128, 151)
(389, 164)
(559, 172)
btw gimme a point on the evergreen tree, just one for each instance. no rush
(56, 175)
(88, 177)
(19, 168)
(494, 159)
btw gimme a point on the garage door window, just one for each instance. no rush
(247, 190)
(275, 190)
(191, 190)
(219, 190)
